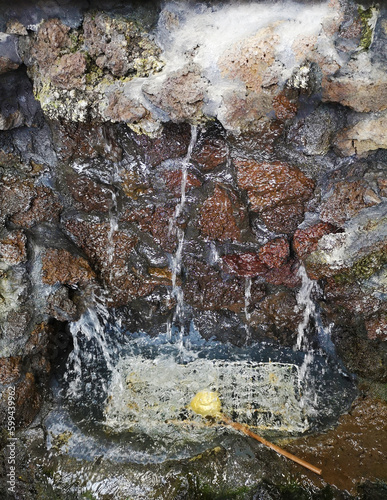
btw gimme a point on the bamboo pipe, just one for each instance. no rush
(208, 404)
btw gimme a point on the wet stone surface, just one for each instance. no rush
(177, 173)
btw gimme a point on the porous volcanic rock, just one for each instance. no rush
(276, 190)
(220, 216)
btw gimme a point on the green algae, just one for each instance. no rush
(364, 268)
(368, 19)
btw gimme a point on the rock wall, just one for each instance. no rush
(96, 108)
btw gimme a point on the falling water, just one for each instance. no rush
(91, 349)
(176, 259)
(247, 305)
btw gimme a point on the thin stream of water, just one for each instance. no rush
(176, 259)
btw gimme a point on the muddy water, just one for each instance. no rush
(355, 451)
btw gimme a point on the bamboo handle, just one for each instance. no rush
(248, 432)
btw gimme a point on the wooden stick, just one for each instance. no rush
(248, 432)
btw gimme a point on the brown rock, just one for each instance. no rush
(7, 64)
(346, 200)
(13, 248)
(133, 185)
(206, 289)
(220, 215)
(286, 275)
(245, 264)
(363, 94)
(275, 253)
(305, 241)
(210, 153)
(68, 71)
(45, 207)
(15, 196)
(284, 218)
(173, 143)
(10, 370)
(250, 265)
(59, 266)
(28, 400)
(51, 37)
(122, 108)
(351, 298)
(276, 190)
(181, 95)
(377, 327)
(271, 184)
(83, 141)
(15, 27)
(284, 107)
(110, 254)
(156, 221)
(89, 195)
(382, 185)
(173, 180)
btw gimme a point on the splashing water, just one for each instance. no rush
(91, 351)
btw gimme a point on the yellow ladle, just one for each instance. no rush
(207, 404)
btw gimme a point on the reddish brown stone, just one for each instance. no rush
(205, 289)
(249, 264)
(28, 400)
(156, 221)
(45, 207)
(88, 194)
(210, 153)
(271, 184)
(68, 71)
(347, 199)
(352, 298)
(305, 241)
(59, 266)
(377, 327)
(10, 370)
(173, 143)
(286, 275)
(13, 248)
(219, 216)
(122, 108)
(110, 254)
(15, 196)
(275, 253)
(51, 37)
(283, 107)
(84, 141)
(245, 264)
(284, 218)
(173, 179)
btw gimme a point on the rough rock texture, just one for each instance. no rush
(366, 136)
(277, 190)
(59, 266)
(277, 114)
(219, 216)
